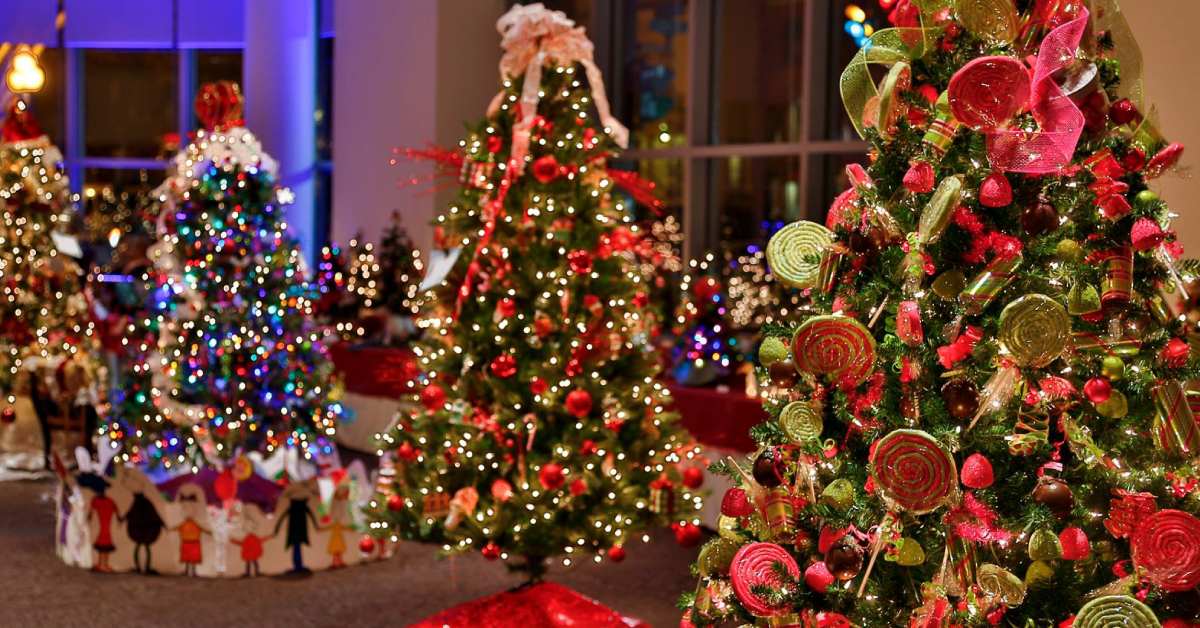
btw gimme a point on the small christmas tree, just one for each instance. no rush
(400, 270)
(542, 429)
(980, 419)
(241, 366)
(347, 282)
(44, 322)
(705, 349)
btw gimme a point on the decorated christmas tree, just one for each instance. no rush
(240, 366)
(400, 269)
(541, 429)
(45, 327)
(346, 279)
(981, 418)
(705, 349)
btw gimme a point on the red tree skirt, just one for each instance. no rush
(544, 605)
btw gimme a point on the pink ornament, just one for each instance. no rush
(908, 324)
(755, 566)
(920, 178)
(977, 472)
(1075, 544)
(1097, 390)
(1146, 234)
(818, 577)
(995, 191)
(1164, 160)
(502, 491)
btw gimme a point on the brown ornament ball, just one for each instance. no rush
(1039, 219)
(1054, 494)
(845, 560)
(961, 397)
(783, 373)
(767, 469)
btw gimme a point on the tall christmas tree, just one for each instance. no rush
(541, 429)
(43, 311)
(241, 366)
(981, 418)
(400, 268)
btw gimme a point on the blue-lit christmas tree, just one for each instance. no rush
(240, 366)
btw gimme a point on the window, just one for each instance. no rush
(733, 106)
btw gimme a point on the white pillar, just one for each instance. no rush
(280, 84)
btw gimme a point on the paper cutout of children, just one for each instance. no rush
(293, 507)
(143, 523)
(251, 542)
(104, 509)
(192, 502)
(339, 521)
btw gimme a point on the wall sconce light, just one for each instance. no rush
(25, 75)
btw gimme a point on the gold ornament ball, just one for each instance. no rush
(1113, 368)
(1068, 250)
(838, 494)
(1040, 575)
(1044, 545)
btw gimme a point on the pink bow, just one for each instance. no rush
(1060, 121)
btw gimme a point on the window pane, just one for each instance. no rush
(101, 185)
(47, 104)
(324, 113)
(216, 65)
(829, 116)
(653, 71)
(757, 83)
(130, 102)
(753, 197)
(578, 10)
(323, 206)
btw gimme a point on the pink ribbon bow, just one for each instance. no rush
(1059, 120)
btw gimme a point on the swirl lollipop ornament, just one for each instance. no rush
(753, 567)
(795, 251)
(1115, 611)
(1166, 547)
(987, 93)
(835, 346)
(914, 472)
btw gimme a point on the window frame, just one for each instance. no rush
(700, 215)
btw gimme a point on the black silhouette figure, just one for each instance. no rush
(144, 525)
(298, 514)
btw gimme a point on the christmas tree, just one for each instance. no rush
(705, 349)
(241, 367)
(400, 268)
(541, 428)
(43, 311)
(980, 418)
(346, 281)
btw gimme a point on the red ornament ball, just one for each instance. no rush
(1146, 234)
(494, 144)
(506, 307)
(578, 487)
(580, 262)
(616, 553)
(579, 403)
(504, 366)
(1134, 159)
(687, 534)
(818, 577)
(490, 551)
(1097, 390)
(977, 472)
(736, 504)
(8, 415)
(366, 545)
(552, 476)
(538, 385)
(433, 397)
(1075, 544)
(395, 503)
(693, 477)
(407, 452)
(545, 169)
(1124, 111)
(995, 191)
